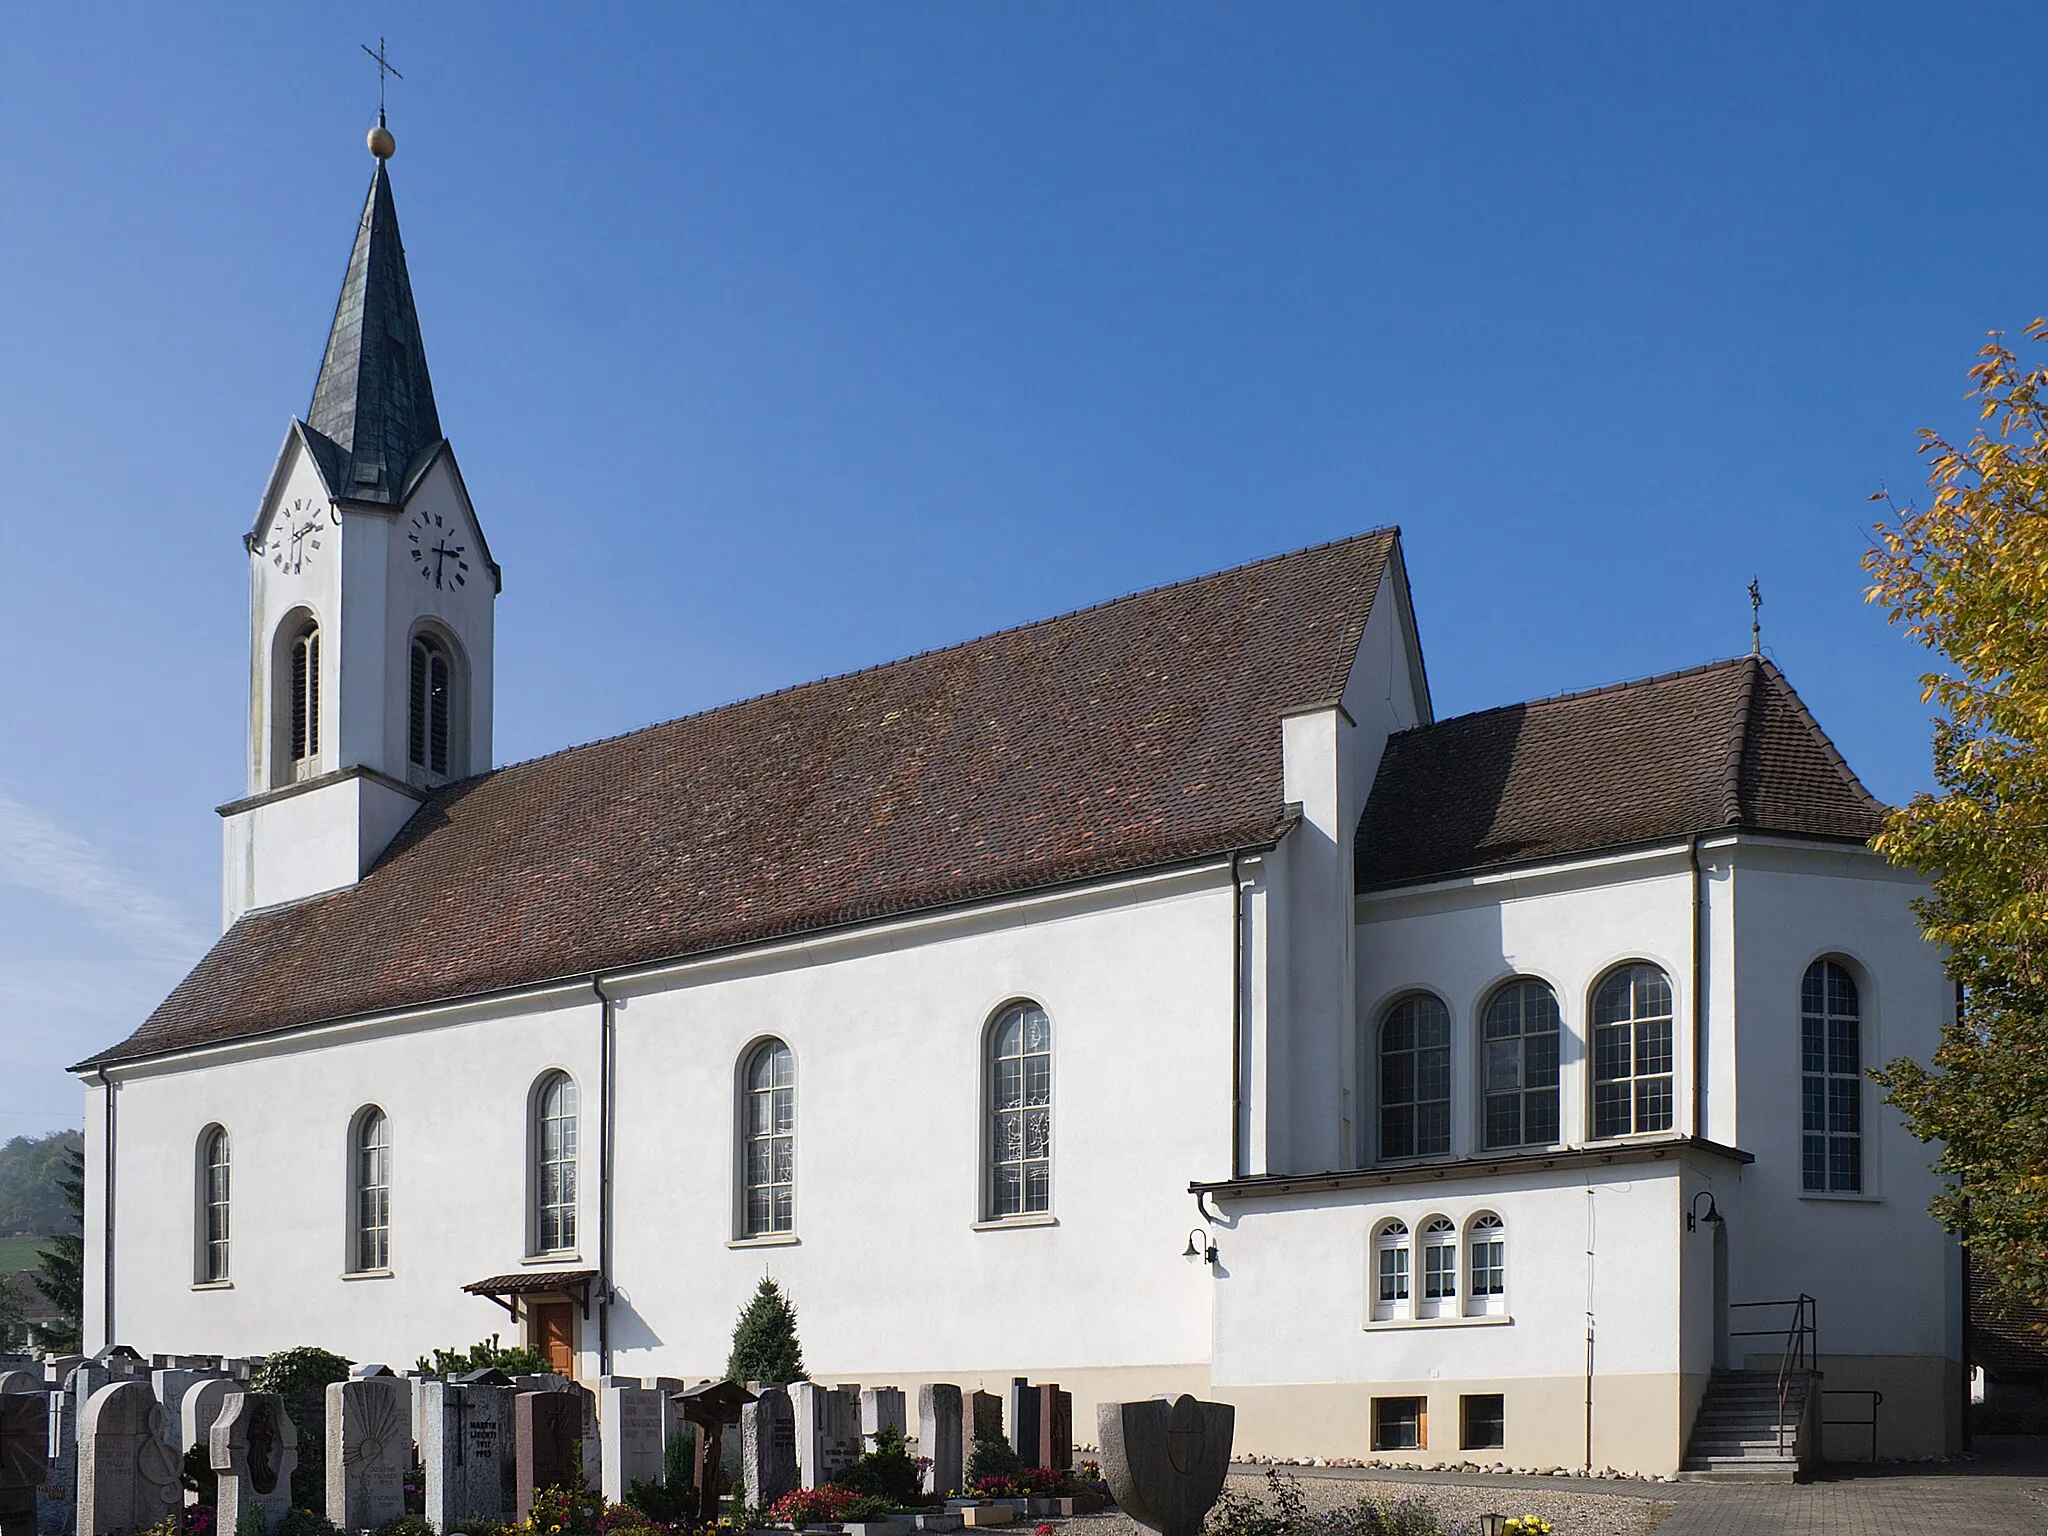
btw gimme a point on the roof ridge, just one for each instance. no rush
(1581, 693)
(1821, 737)
(1738, 745)
(1389, 530)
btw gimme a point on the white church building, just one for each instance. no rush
(1156, 998)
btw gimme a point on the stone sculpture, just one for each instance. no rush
(253, 1450)
(1166, 1460)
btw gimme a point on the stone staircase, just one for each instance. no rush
(1739, 1436)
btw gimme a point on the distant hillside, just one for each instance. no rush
(32, 1169)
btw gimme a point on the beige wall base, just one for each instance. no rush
(1640, 1423)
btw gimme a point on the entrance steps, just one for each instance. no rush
(1740, 1437)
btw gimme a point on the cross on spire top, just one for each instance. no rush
(384, 67)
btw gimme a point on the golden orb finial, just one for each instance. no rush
(382, 145)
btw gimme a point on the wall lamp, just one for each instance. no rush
(1199, 1247)
(1693, 1216)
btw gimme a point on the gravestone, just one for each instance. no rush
(1024, 1421)
(22, 1381)
(939, 1437)
(1166, 1461)
(827, 1436)
(369, 1450)
(1055, 1428)
(61, 1488)
(984, 1415)
(57, 1369)
(253, 1450)
(882, 1408)
(768, 1467)
(466, 1446)
(545, 1429)
(24, 1444)
(631, 1452)
(365, 1372)
(127, 1475)
(171, 1384)
(198, 1411)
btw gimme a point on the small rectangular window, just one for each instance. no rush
(1400, 1423)
(1482, 1421)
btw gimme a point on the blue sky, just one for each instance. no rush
(778, 340)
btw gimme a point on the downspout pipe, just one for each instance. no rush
(1699, 1011)
(1236, 1016)
(106, 1084)
(607, 1050)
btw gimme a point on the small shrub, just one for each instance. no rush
(406, 1525)
(571, 1511)
(301, 1377)
(807, 1506)
(887, 1472)
(477, 1525)
(866, 1507)
(196, 1475)
(991, 1458)
(487, 1354)
(305, 1522)
(677, 1502)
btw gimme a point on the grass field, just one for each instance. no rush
(19, 1253)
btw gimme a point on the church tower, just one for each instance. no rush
(370, 601)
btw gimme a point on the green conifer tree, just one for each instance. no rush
(764, 1342)
(61, 1274)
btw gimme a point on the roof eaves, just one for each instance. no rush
(1258, 838)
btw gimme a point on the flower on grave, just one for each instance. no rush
(1044, 1529)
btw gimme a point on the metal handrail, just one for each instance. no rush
(1876, 1402)
(1800, 1354)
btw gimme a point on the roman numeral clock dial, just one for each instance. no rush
(294, 535)
(438, 553)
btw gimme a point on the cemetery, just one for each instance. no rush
(118, 1443)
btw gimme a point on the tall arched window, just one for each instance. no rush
(1390, 1270)
(305, 702)
(214, 1171)
(768, 1142)
(1020, 1112)
(1486, 1276)
(432, 677)
(1632, 1052)
(554, 1154)
(1439, 1268)
(1415, 1078)
(1830, 1080)
(370, 1193)
(1521, 1036)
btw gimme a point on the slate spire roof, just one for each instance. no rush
(1724, 747)
(374, 401)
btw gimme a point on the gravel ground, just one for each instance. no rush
(1573, 1513)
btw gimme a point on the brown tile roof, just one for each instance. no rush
(2007, 1343)
(1722, 746)
(1138, 733)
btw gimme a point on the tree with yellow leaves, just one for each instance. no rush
(1967, 576)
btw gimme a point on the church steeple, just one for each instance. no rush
(367, 565)
(374, 400)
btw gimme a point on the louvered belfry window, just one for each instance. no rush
(429, 728)
(306, 695)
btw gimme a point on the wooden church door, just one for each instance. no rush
(554, 1335)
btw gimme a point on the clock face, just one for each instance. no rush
(440, 552)
(295, 535)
